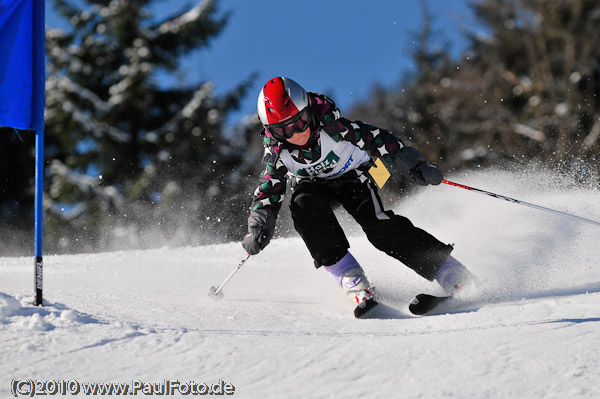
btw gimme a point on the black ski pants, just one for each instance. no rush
(312, 206)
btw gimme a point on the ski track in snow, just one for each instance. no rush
(284, 329)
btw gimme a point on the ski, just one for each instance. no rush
(425, 303)
(368, 305)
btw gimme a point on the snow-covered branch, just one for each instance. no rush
(65, 84)
(174, 25)
(529, 132)
(592, 137)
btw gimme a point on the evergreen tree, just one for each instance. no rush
(526, 90)
(544, 61)
(413, 110)
(145, 160)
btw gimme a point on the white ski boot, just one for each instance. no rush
(351, 277)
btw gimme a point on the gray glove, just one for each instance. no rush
(261, 225)
(413, 165)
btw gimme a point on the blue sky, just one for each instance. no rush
(336, 47)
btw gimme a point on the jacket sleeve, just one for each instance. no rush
(273, 181)
(375, 141)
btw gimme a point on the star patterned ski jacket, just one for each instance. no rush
(340, 151)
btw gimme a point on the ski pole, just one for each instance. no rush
(216, 293)
(515, 201)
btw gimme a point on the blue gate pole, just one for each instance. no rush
(37, 110)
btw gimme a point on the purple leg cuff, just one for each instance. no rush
(346, 264)
(449, 263)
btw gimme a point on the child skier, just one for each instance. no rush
(327, 157)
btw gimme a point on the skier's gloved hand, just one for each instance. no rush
(413, 165)
(261, 225)
(255, 241)
(426, 173)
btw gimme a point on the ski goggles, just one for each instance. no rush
(285, 130)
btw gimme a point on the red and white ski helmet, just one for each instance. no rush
(279, 100)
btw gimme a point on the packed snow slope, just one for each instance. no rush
(284, 329)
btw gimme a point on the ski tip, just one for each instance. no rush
(361, 312)
(425, 303)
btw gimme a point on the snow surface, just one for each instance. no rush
(284, 329)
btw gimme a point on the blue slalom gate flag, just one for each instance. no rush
(21, 87)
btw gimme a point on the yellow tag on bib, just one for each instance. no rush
(379, 173)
